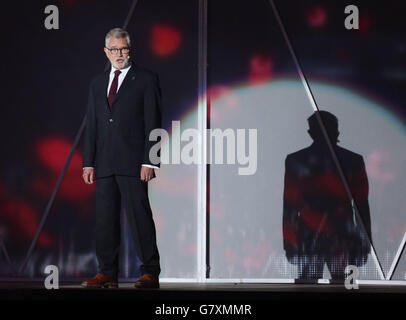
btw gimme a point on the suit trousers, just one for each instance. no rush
(133, 193)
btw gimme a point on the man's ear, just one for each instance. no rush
(105, 51)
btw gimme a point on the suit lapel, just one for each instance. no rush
(105, 86)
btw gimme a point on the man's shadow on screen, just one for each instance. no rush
(319, 223)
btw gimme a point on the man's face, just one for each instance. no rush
(119, 60)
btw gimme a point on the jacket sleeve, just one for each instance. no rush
(89, 151)
(152, 119)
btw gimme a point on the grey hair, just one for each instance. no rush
(118, 33)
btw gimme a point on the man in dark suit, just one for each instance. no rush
(319, 223)
(123, 108)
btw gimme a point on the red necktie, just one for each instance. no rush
(113, 88)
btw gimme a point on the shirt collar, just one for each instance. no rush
(123, 71)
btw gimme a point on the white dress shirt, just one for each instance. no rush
(121, 77)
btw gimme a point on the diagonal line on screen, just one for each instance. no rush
(5, 252)
(397, 258)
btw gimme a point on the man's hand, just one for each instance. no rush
(146, 173)
(88, 175)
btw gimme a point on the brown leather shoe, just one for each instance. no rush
(147, 281)
(100, 281)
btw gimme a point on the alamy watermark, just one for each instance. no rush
(52, 19)
(352, 20)
(51, 281)
(228, 146)
(352, 277)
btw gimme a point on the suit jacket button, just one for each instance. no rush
(111, 120)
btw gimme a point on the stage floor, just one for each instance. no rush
(198, 291)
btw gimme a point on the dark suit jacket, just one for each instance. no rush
(317, 213)
(117, 140)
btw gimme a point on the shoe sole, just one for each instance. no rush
(146, 287)
(107, 285)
